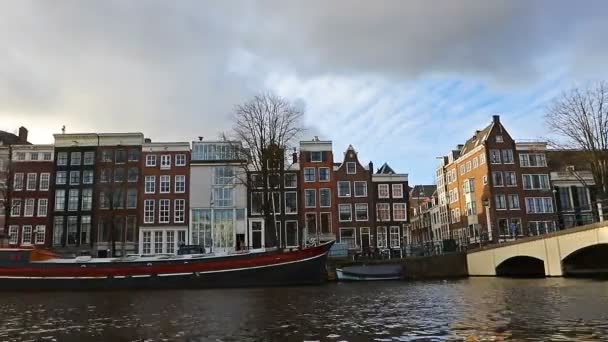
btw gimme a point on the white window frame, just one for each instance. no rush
(29, 205)
(354, 236)
(20, 176)
(509, 201)
(328, 174)
(79, 159)
(31, 182)
(39, 231)
(78, 178)
(295, 193)
(167, 181)
(312, 160)
(395, 205)
(314, 174)
(39, 211)
(387, 206)
(504, 200)
(23, 235)
(297, 233)
(165, 162)
(180, 159)
(499, 161)
(295, 176)
(391, 237)
(88, 158)
(182, 180)
(84, 178)
(320, 204)
(355, 188)
(13, 234)
(350, 210)
(62, 161)
(150, 160)
(179, 211)
(381, 231)
(354, 166)
(349, 190)
(161, 211)
(150, 180)
(149, 211)
(397, 186)
(314, 192)
(383, 188)
(83, 197)
(366, 212)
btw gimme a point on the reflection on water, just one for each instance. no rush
(471, 309)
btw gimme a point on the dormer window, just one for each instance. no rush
(499, 139)
(316, 157)
(351, 168)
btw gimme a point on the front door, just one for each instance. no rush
(256, 233)
(365, 238)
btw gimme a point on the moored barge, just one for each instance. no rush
(32, 269)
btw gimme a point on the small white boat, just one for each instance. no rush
(370, 272)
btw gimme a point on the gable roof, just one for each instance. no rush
(386, 170)
(7, 138)
(480, 137)
(425, 190)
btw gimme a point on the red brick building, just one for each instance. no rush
(318, 190)
(355, 205)
(29, 221)
(164, 201)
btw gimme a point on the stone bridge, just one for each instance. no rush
(580, 251)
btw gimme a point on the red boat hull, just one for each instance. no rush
(276, 268)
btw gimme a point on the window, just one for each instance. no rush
(85, 230)
(360, 189)
(132, 174)
(222, 197)
(471, 208)
(399, 212)
(73, 200)
(106, 175)
(119, 199)
(343, 189)
(59, 200)
(72, 230)
(499, 139)
(170, 243)
(291, 202)
(119, 175)
(47, 156)
(468, 186)
(165, 184)
(395, 237)
(149, 211)
(501, 202)
(462, 169)
(150, 160)
(274, 201)
(456, 215)
(180, 160)
(485, 180)
(291, 180)
(291, 233)
(381, 237)
(257, 199)
(164, 207)
(13, 235)
(383, 191)
(510, 179)
(497, 179)
(309, 174)
(75, 158)
(62, 158)
(121, 156)
(383, 211)
(107, 156)
(482, 159)
(147, 242)
(87, 177)
(223, 175)
(348, 236)
(180, 184)
(43, 206)
(513, 200)
(536, 182)
(507, 156)
(26, 236)
(74, 177)
(89, 158)
(351, 168)
(179, 211)
(361, 212)
(397, 190)
(583, 198)
(131, 198)
(87, 199)
(150, 184)
(31, 181)
(133, 155)
(495, 156)
(58, 230)
(539, 205)
(324, 174)
(316, 157)
(18, 182)
(104, 200)
(310, 200)
(39, 235)
(165, 161)
(325, 198)
(468, 164)
(532, 160)
(311, 224)
(28, 208)
(345, 212)
(325, 223)
(20, 156)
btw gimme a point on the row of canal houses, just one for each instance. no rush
(113, 194)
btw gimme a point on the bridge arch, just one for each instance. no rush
(521, 266)
(589, 260)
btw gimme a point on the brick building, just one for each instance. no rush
(164, 199)
(318, 190)
(355, 218)
(32, 188)
(390, 195)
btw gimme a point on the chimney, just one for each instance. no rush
(147, 140)
(200, 138)
(294, 156)
(459, 147)
(22, 135)
(370, 166)
(496, 119)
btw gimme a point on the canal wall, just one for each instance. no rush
(453, 265)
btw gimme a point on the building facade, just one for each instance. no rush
(218, 197)
(355, 218)
(390, 193)
(319, 194)
(29, 222)
(164, 201)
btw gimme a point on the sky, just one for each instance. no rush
(402, 81)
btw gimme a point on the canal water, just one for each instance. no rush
(473, 309)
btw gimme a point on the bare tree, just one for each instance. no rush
(581, 117)
(6, 189)
(267, 125)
